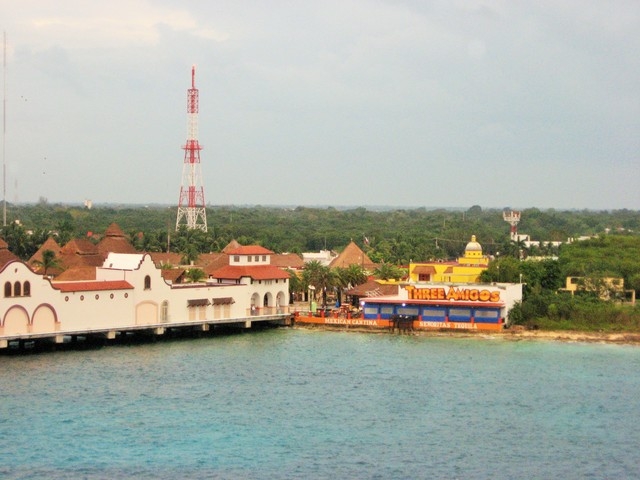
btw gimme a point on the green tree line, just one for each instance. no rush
(599, 305)
(395, 236)
(391, 238)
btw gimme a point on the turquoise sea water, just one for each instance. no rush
(317, 404)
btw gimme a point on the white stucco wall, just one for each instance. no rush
(91, 309)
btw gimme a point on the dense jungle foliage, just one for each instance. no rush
(391, 237)
(395, 236)
(601, 306)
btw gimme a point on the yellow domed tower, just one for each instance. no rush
(465, 269)
(473, 254)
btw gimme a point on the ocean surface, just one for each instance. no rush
(316, 404)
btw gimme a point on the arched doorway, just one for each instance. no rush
(280, 302)
(255, 304)
(16, 321)
(266, 300)
(44, 320)
(146, 313)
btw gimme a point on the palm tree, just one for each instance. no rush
(349, 277)
(194, 275)
(516, 249)
(17, 239)
(189, 255)
(48, 261)
(319, 276)
(386, 271)
(295, 284)
(353, 275)
(310, 273)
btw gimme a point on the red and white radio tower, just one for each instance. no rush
(512, 217)
(191, 209)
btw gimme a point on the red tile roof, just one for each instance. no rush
(79, 252)
(250, 250)
(173, 275)
(206, 260)
(287, 260)
(165, 258)
(114, 230)
(114, 241)
(257, 272)
(428, 269)
(49, 244)
(373, 289)
(352, 254)
(232, 245)
(6, 256)
(115, 245)
(79, 246)
(76, 260)
(93, 286)
(215, 264)
(75, 274)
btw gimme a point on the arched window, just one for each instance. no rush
(17, 289)
(7, 289)
(26, 290)
(147, 282)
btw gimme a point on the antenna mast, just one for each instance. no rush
(191, 207)
(4, 132)
(512, 217)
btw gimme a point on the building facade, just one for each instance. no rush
(129, 293)
(467, 269)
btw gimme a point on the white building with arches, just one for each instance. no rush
(251, 266)
(129, 293)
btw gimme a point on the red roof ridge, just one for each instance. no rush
(95, 285)
(114, 230)
(257, 272)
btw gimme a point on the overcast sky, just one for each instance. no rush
(335, 102)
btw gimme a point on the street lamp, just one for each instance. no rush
(311, 289)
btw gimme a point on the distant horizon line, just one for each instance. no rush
(319, 206)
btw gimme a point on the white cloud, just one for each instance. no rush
(350, 84)
(103, 25)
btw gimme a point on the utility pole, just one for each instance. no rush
(4, 131)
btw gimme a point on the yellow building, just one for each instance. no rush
(466, 269)
(607, 288)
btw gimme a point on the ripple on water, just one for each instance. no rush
(291, 404)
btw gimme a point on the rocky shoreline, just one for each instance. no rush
(511, 334)
(629, 338)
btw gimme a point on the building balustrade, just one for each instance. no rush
(261, 311)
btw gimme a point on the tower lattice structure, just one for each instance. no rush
(191, 207)
(512, 217)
